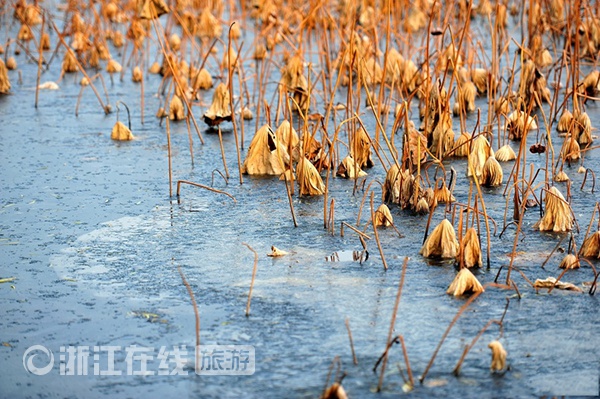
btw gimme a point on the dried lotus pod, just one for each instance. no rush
(570, 261)
(441, 243)
(176, 109)
(591, 246)
(266, 154)
(558, 216)
(505, 154)
(350, 169)
(136, 74)
(202, 80)
(464, 283)
(564, 122)
(151, 9)
(491, 174)
(309, 180)
(276, 252)
(470, 250)
(383, 216)
(4, 80)
(498, 356)
(220, 109)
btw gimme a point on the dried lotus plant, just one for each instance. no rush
(450, 59)
(383, 216)
(335, 391)
(136, 74)
(69, 64)
(552, 283)
(276, 252)
(441, 243)
(590, 86)
(561, 176)
(518, 123)
(591, 246)
(464, 283)
(498, 356)
(570, 261)
(202, 80)
(481, 150)
(151, 9)
(287, 135)
(470, 250)
(570, 150)
(465, 97)
(391, 191)
(565, 121)
(350, 169)
(176, 109)
(4, 80)
(491, 175)
(371, 72)
(361, 148)
(208, 26)
(558, 216)
(582, 128)
(309, 180)
(394, 64)
(266, 155)
(416, 145)
(442, 193)
(462, 145)
(220, 109)
(481, 78)
(120, 132)
(294, 81)
(505, 154)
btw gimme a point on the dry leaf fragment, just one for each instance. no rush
(266, 155)
(120, 132)
(287, 135)
(220, 109)
(361, 148)
(465, 282)
(561, 176)
(349, 169)
(551, 282)
(591, 246)
(441, 243)
(498, 356)
(505, 154)
(48, 86)
(151, 9)
(276, 252)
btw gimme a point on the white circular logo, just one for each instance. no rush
(30, 354)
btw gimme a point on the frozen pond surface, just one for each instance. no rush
(90, 233)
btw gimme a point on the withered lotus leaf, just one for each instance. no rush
(220, 109)
(462, 145)
(4, 80)
(441, 243)
(176, 109)
(335, 391)
(154, 68)
(266, 155)
(276, 252)
(422, 206)
(470, 249)
(505, 154)
(383, 216)
(309, 179)
(551, 282)
(350, 169)
(481, 150)
(120, 132)
(136, 74)
(208, 27)
(69, 64)
(361, 148)
(230, 56)
(391, 191)
(417, 145)
(247, 113)
(582, 129)
(491, 174)
(48, 86)
(11, 63)
(517, 123)
(294, 81)
(151, 9)
(565, 121)
(175, 42)
(498, 356)
(465, 282)
(591, 246)
(113, 66)
(558, 216)
(561, 176)
(443, 195)
(570, 261)
(203, 80)
(286, 134)
(25, 34)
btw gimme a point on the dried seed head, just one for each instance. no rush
(505, 154)
(464, 283)
(266, 155)
(558, 216)
(570, 261)
(498, 356)
(309, 180)
(220, 109)
(591, 246)
(176, 109)
(441, 243)
(491, 174)
(383, 216)
(120, 132)
(350, 169)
